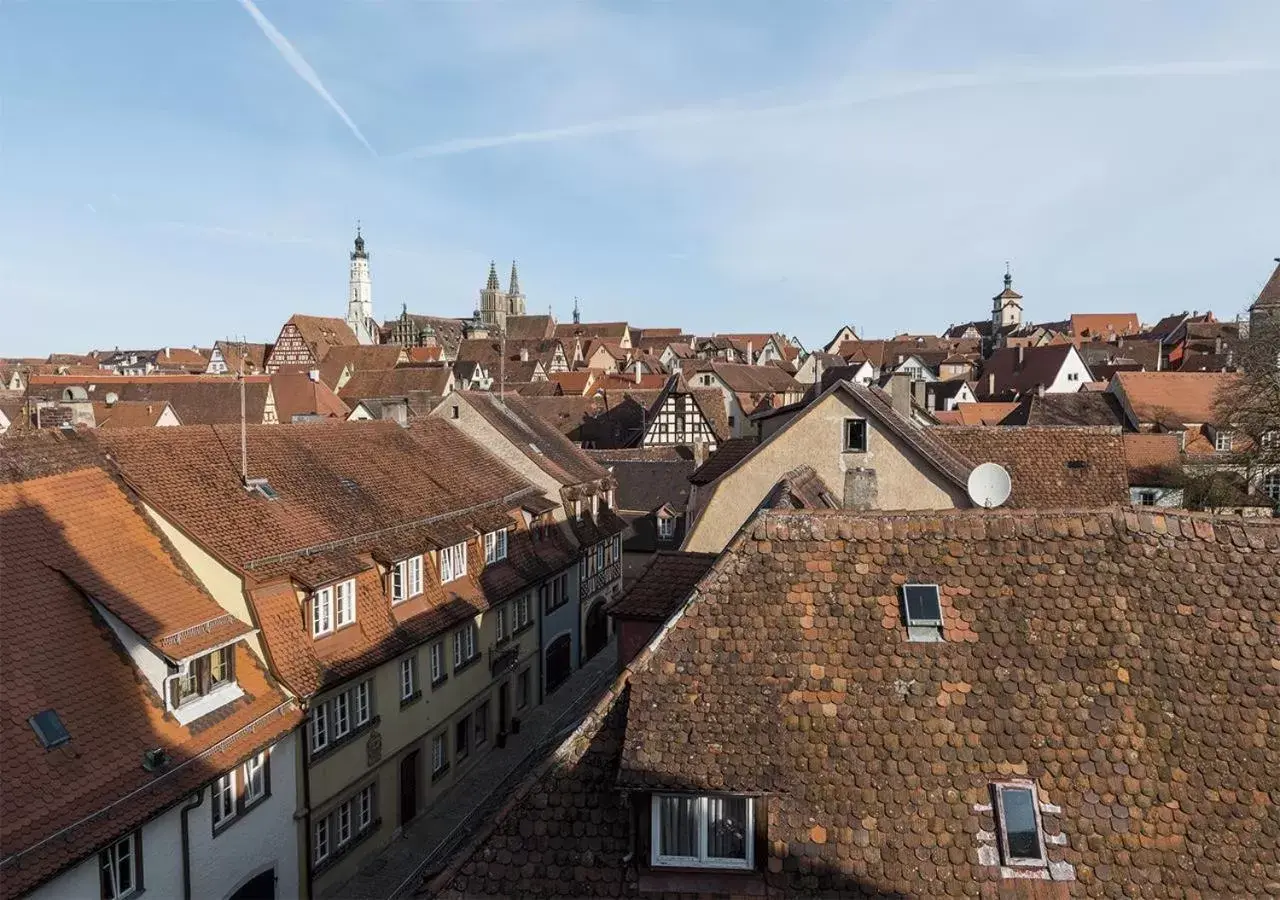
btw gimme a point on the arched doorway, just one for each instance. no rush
(260, 887)
(596, 631)
(559, 662)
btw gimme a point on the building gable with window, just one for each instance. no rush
(129, 694)
(1055, 735)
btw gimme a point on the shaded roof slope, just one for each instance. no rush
(727, 455)
(1083, 408)
(663, 586)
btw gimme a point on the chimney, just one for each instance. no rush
(1040, 390)
(699, 453)
(991, 385)
(860, 489)
(314, 374)
(750, 353)
(637, 371)
(524, 354)
(1022, 354)
(919, 393)
(900, 393)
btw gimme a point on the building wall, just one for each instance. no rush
(1071, 377)
(161, 864)
(816, 438)
(168, 418)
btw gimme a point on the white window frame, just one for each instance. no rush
(342, 822)
(437, 662)
(453, 562)
(408, 677)
(666, 528)
(255, 767)
(1271, 485)
(406, 579)
(363, 703)
(701, 861)
(319, 728)
(223, 799)
(344, 603)
(1002, 833)
(464, 639)
(114, 857)
(440, 752)
(364, 804)
(499, 626)
(1223, 436)
(322, 612)
(1271, 439)
(495, 546)
(522, 611)
(320, 841)
(341, 716)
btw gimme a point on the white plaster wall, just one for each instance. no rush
(168, 418)
(1064, 383)
(151, 664)
(265, 837)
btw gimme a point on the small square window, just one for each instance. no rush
(922, 604)
(1018, 816)
(855, 435)
(1222, 441)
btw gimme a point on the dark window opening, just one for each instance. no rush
(855, 435)
(49, 728)
(1019, 820)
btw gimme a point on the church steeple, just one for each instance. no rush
(493, 302)
(492, 284)
(515, 299)
(360, 294)
(1006, 306)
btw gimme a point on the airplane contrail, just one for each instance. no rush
(706, 115)
(302, 68)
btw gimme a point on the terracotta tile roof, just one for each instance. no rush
(196, 399)
(295, 394)
(537, 389)
(1104, 326)
(801, 488)
(399, 382)
(1019, 371)
(422, 354)
(663, 586)
(1050, 466)
(448, 331)
(751, 379)
(1152, 458)
(614, 381)
(1269, 297)
(984, 413)
(610, 331)
(644, 485)
(255, 355)
(1183, 397)
(573, 382)
(322, 333)
(1032, 629)
(517, 419)
(182, 359)
(358, 358)
(612, 418)
(1083, 408)
(128, 414)
(67, 537)
(530, 327)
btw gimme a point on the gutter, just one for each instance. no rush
(187, 807)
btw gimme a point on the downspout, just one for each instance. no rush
(191, 804)
(542, 650)
(303, 751)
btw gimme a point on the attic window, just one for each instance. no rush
(49, 728)
(1077, 464)
(348, 485)
(855, 435)
(260, 487)
(1018, 817)
(922, 612)
(1222, 441)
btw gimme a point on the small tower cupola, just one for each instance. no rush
(1006, 306)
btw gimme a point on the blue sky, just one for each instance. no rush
(169, 174)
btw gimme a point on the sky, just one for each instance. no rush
(173, 173)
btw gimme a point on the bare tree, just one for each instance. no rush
(1250, 404)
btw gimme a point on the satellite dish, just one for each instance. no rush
(989, 485)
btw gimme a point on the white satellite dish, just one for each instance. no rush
(989, 485)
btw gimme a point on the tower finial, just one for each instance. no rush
(1008, 275)
(359, 252)
(492, 283)
(577, 316)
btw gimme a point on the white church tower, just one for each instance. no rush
(360, 295)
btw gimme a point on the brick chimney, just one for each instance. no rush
(900, 393)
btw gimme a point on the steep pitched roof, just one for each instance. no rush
(723, 704)
(398, 382)
(982, 413)
(448, 331)
(727, 455)
(522, 328)
(752, 379)
(295, 394)
(801, 488)
(196, 399)
(69, 538)
(1153, 459)
(358, 358)
(1183, 397)
(646, 484)
(1083, 408)
(254, 355)
(609, 331)
(183, 359)
(1050, 466)
(517, 419)
(1020, 370)
(1269, 297)
(128, 414)
(663, 586)
(322, 333)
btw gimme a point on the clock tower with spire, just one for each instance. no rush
(360, 294)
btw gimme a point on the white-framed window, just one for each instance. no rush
(1271, 440)
(322, 612)
(1222, 441)
(344, 823)
(453, 562)
(666, 528)
(118, 867)
(437, 662)
(704, 831)
(364, 806)
(464, 645)
(344, 603)
(319, 727)
(495, 546)
(406, 579)
(224, 799)
(855, 435)
(341, 716)
(254, 773)
(1018, 818)
(1147, 498)
(439, 753)
(408, 677)
(320, 841)
(203, 675)
(500, 624)
(363, 706)
(522, 616)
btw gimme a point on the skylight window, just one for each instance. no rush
(1018, 815)
(260, 487)
(922, 611)
(49, 728)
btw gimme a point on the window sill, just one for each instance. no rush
(210, 702)
(521, 630)
(466, 664)
(356, 840)
(411, 699)
(439, 773)
(851, 450)
(335, 745)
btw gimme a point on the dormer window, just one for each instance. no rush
(1018, 818)
(1222, 440)
(406, 579)
(495, 546)
(922, 612)
(714, 831)
(453, 562)
(203, 675)
(333, 607)
(666, 527)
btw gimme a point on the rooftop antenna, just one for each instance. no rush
(989, 485)
(244, 440)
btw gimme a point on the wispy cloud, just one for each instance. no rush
(740, 108)
(302, 68)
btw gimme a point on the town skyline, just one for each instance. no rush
(830, 166)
